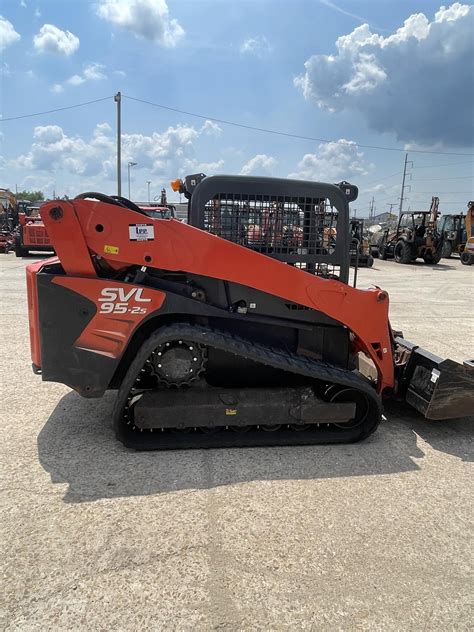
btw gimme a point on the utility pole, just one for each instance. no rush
(118, 101)
(148, 183)
(402, 196)
(391, 204)
(130, 164)
(371, 211)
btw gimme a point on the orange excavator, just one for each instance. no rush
(224, 331)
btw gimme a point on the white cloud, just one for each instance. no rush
(47, 134)
(75, 80)
(37, 13)
(148, 19)
(261, 164)
(4, 69)
(120, 73)
(102, 128)
(52, 150)
(416, 82)
(413, 146)
(332, 162)
(50, 39)
(258, 46)
(91, 72)
(8, 35)
(57, 88)
(211, 128)
(166, 154)
(209, 168)
(38, 183)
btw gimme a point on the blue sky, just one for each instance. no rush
(387, 73)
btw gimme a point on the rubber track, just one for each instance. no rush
(276, 358)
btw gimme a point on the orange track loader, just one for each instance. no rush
(237, 328)
(30, 235)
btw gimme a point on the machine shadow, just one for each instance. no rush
(77, 447)
(34, 257)
(453, 436)
(436, 266)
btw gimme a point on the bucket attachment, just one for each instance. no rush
(437, 388)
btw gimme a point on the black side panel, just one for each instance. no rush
(63, 315)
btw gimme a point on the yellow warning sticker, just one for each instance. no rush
(231, 411)
(111, 250)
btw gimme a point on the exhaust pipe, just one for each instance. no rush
(437, 388)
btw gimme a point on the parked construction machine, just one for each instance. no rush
(453, 230)
(8, 218)
(467, 249)
(416, 237)
(360, 250)
(160, 209)
(31, 234)
(217, 334)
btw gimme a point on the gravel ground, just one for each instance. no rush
(370, 536)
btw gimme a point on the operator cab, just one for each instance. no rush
(303, 224)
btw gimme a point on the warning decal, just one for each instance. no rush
(141, 232)
(111, 250)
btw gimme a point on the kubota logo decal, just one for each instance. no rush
(115, 300)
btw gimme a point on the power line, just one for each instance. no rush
(67, 107)
(457, 202)
(249, 127)
(446, 164)
(384, 178)
(288, 134)
(441, 192)
(443, 179)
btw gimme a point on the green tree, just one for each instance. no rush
(32, 196)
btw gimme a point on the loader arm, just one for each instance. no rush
(85, 231)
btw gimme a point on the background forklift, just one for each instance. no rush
(453, 230)
(360, 250)
(416, 236)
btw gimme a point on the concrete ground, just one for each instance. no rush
(371, 536)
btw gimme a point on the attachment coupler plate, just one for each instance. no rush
(437, 388)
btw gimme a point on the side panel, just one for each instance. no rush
(85, 325)
(32, 293)
(89, 328)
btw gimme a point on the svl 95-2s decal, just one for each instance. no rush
(115, 300)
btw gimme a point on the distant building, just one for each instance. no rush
(181, 210)
(384, 217)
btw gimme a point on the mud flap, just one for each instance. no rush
(437, 388)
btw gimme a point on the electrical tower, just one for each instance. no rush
(405, 186)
